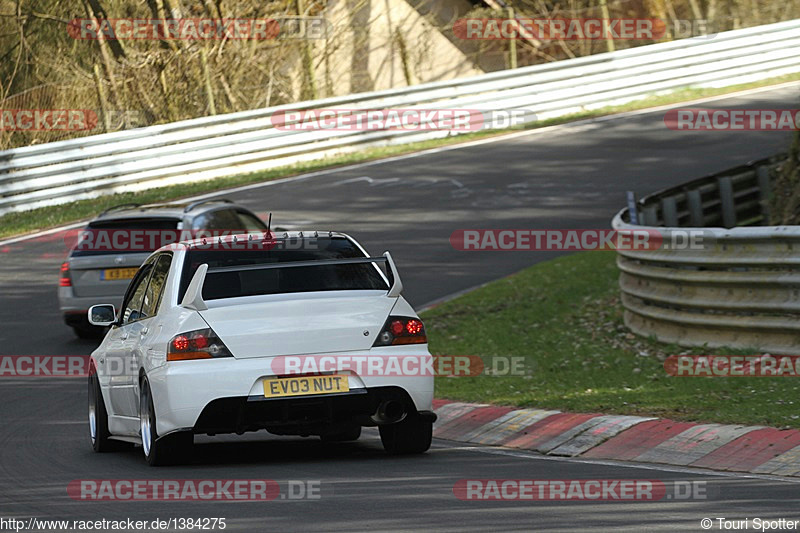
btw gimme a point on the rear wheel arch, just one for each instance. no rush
(98, 419)
(95, 375)
(141, 381)
(172, 448)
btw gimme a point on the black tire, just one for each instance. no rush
(349, 433)
(160, 451)
(412, 435)
(98, 419)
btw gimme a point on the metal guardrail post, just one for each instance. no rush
(669, 211)
(765, 188)
(695, 201)
(649, 215)
(726, 199)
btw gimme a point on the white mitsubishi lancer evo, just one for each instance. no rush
(244, 333)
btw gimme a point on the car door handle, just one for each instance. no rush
(144, 332)
(124, 336)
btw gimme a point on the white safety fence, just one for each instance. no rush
(236, 143)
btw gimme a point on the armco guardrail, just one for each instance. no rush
(223, 145)
(742, 289)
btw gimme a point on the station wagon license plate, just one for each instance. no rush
(113, 274)
(305, 385)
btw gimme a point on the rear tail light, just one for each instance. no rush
(65, 280)
(401, 330)
(198, 344)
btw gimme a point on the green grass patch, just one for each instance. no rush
(47, 217)
(564, 317)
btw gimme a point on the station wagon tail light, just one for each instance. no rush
(401, 330)
(198, 344)
(65, 280)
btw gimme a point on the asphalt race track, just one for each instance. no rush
(565, 177)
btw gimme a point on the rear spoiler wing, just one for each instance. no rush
(193, 299)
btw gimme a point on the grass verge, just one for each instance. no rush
(47, 217)
(564, 317)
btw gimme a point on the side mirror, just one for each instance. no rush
(102, 315)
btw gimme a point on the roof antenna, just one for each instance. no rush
(269, 225)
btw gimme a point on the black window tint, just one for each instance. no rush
(150, 235)
(131, 310)
(249, 223)
(282, 280)
(201, 221)
(155, 289)
(222, 220)
(289, 280)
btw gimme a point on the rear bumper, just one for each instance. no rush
(227, 395)
(308, 415)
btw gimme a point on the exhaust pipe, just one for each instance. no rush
(389, 412)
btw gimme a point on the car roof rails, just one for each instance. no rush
(118, 207)
(195, 205)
